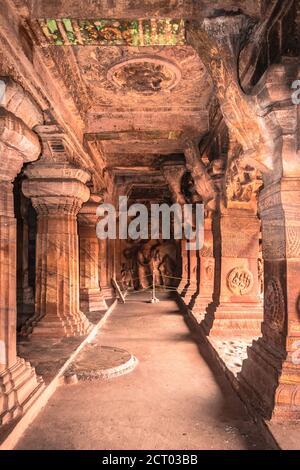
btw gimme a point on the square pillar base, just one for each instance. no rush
(92, 300)
(19, 387)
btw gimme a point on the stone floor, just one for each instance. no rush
(233, 351)
(171, 400)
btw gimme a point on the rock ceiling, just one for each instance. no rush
(137, 87)
(133, 99)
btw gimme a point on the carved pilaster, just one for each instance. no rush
(91, 297)
(204, 179)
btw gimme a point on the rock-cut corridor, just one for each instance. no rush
(171, 400)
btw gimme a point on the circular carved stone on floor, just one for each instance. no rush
(240, 281)
(146, 75)
(100, 363)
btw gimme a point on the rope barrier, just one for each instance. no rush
(165, 275)
(191, 283)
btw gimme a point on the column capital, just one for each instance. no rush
(18, 145)
(16, 100)
(88, 212)
(56, 187)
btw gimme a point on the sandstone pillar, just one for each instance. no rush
(266, 125)
(25, 295)
(205, 273)
(57, 191)
(91, 297)
(191, 284)
(19, 384)
(173, 174)
(239, 309)
(181, 289)
(271, 374)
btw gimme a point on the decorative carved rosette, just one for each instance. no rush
(240, 281)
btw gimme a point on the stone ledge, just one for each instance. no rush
(13, 432)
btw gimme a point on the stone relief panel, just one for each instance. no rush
(242, 182)
(148, 259)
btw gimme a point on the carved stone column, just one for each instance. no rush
(181, 289)
(203, 262)
(240, 309)
(91, 297)
(104, 280)
(271, 374)
(19, 384)
(57, 191)
(173, 174)
(25, 295)
(205, 273)
(191, 285)
(266, 124)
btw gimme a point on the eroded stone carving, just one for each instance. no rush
(144, 75)
(203, 182)
(274, 304)
(242, 182)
